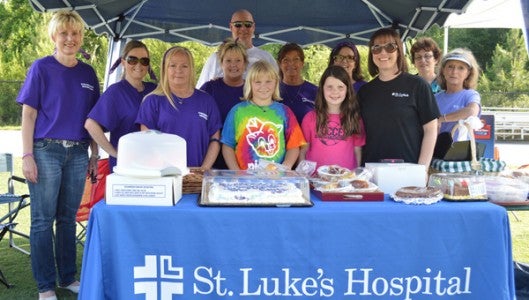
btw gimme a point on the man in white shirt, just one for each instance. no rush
(242, 27)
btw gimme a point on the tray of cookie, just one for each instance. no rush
(335, 183)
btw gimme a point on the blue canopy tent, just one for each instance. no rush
(305, 22)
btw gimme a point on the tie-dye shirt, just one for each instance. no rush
(261, 132)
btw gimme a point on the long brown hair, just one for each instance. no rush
(349, 109)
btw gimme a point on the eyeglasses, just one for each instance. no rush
(294, 60)
(346, 58)
(389, 47)
(133, 60)
(239, 24)
(425, 57)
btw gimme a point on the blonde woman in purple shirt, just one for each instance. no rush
(56, 97)
(176, 107)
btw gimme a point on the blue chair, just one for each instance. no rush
(14, 202)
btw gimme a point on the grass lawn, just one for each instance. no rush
(17, 268)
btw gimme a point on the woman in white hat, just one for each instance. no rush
(458, 78)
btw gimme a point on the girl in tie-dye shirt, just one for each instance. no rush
(260, 127)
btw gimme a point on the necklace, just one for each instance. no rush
(263, 108)
(287, 90)
(180, 100)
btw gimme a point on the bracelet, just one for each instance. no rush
(27, 155)
(444, 117)
(214, 140)
(95, 156)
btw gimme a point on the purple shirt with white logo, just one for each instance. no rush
(63, 97)
(299, 98)
(195, 119)
(117, 109)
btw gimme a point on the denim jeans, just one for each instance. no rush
(56, 197)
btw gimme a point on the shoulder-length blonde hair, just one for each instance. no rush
(257, 69)
(65, 18)
(163, 87)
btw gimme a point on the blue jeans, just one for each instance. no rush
(56, 197)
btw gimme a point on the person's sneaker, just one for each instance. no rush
(48, 295)
(73, 287)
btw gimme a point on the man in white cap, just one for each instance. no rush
(242, 27)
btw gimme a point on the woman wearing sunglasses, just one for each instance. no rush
(346, 55)
(118, 106)
(399, 109)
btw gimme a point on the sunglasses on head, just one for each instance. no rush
(389, 47)
(133, 60)
(239, 24)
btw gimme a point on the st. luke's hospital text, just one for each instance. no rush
(360, 282)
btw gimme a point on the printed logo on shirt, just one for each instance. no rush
(158, 274)
(87, 86)
(334, 134)
(203, 115)
(400, 95)
(263, 137)
(306, 100)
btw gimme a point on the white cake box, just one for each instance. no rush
(159, 191)
(391, 176)
(151, 154)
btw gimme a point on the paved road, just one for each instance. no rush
(514, 153)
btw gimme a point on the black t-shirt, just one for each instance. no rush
(394, 113)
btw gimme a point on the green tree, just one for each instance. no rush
(508, 73)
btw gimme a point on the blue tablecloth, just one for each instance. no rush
(340, 250)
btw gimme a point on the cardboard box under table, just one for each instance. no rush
(391, 176)
(159, 191)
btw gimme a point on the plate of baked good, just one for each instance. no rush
(418, 195)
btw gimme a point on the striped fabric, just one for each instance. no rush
(487, 165)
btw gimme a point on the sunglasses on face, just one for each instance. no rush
(133, 60)
(239, 24)
(346, 58)
(389, 47)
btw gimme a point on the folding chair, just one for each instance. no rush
(4, 228)
(94, 191)
(15, 202)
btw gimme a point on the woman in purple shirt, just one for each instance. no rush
(56, 97)
(117, 109)
(227, 90)
(176, 107)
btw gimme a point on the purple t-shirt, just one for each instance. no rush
(299, 98)
(117, 109)
(62, 96)
(225, 96)
(449, 103)
(196, 119)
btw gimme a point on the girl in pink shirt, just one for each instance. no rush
(334, 130)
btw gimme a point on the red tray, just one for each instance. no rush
(350, 196)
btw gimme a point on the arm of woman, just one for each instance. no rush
(428, 143)
(213, 151)
(229, 157)
(303, 152)
(97, 134)
(29, 167)
(472, 109)
(291, 157)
